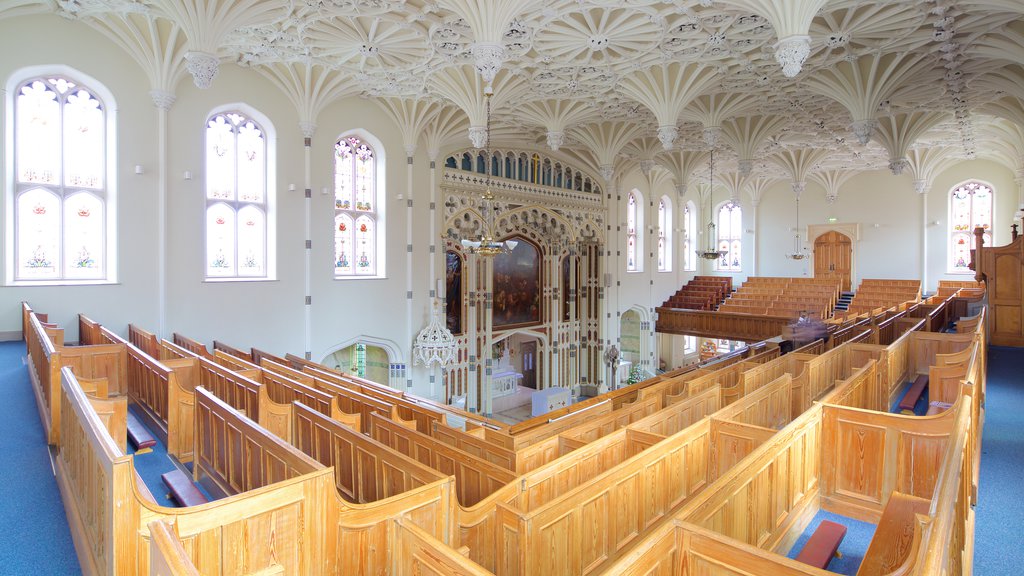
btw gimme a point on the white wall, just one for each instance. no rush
(266, 315)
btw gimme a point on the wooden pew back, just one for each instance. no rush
(365, 470)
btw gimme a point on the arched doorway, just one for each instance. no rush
(833, 258)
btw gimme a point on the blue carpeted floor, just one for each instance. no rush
(150, 466)
(36, 539)
(853, 546)
(999, 516)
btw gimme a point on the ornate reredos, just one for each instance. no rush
(588, 50)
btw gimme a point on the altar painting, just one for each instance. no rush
(517, 286)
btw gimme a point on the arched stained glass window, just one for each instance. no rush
(237, 205)
(634, 223)
(664, 235)
(689, 233)
(356, 208)
(730, 233)
(970, 206)
(60, 216)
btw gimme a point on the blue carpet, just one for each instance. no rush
(151, 465)
(1000, 512)
(853, 546)
(36, 539)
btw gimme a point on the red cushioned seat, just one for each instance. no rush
(183, 489)
(822, 545)
(138, 434)
(913, 394)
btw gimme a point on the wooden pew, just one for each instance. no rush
(475, 478)
(897, 537)
(365, 470)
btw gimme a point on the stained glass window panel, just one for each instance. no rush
(358, 235)
(343, 174)
(970, 207)
(689, 229)
(251, 163)
(730, 230)
(631, 239)
(220, 159)
(83, 141)
(220, 241)
(364, 187)
(39, 232)
(343, 245)
(38, 134)
(252, 242)
(365, 253)
(83, 237)
(664, 243)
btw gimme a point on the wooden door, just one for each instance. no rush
(529, 350)
(833, 257)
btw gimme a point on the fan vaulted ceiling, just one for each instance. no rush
(615, 82)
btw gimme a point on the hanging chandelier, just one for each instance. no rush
(798, 248)
(711, 250)
(435, 344)
(486, 245)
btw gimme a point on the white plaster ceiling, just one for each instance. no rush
(588, 51)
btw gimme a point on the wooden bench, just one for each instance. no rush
(183, 489)
(138, 435)
(913, 394)
(823, 545)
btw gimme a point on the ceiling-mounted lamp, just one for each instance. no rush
(486, 245)
(711, 250)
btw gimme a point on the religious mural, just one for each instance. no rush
(517, 286)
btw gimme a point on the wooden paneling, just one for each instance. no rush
(167, 557)
(237, 391)
(143, 340)
(234, 454)
(732, 442)
(108, 361)
(193, 346)
(475, 479)
(785, 466)
(88, 331)
(1002, 270)
(874, 453)
(365, 469)
(482, 448)
(833, 257)
(897, 538)
(720, 324)
(417, 553)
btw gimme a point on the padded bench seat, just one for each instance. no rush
(822, 545)
(183, 489)
(906, 405)
(138, 435)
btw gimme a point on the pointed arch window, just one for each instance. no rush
(238, 205)
(664, 235)
(61, 227)
(970, 206)
(730, 233)
(689, 233)
(634, 241)
(357, 216)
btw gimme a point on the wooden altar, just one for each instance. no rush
(1001, 268)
